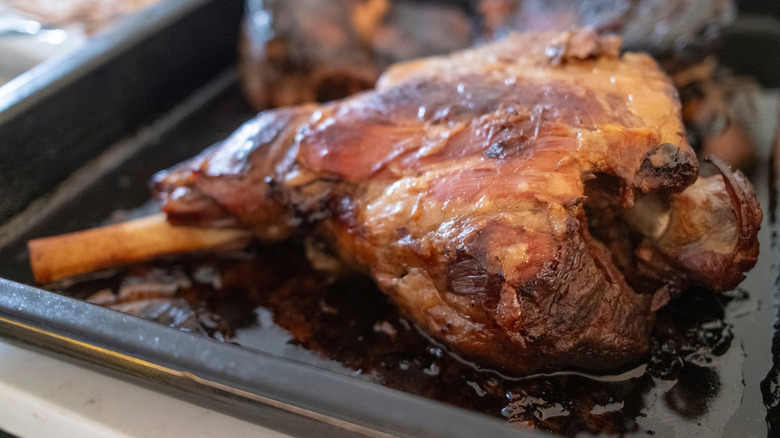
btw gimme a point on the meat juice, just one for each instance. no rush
(270, 299)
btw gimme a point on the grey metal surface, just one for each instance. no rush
(255, 385)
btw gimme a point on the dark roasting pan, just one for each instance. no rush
(78, 143)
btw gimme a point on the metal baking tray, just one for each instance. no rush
(78, 144)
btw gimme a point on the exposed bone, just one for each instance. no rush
(67, 255)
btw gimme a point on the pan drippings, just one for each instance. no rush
(692, 377)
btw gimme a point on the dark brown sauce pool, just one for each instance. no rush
(269, 298)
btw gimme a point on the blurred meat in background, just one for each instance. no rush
(676, 33)
(319, 50)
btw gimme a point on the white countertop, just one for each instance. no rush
(43, 397)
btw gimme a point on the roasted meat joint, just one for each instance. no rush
(530, 203)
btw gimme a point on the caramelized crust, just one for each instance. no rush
(459, 185)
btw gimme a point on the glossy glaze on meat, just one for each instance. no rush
(461, 186)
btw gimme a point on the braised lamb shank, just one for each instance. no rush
(530, 203)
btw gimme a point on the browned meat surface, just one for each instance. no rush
(682, 36)
(466, 186)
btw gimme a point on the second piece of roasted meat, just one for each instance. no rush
(530, 203)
